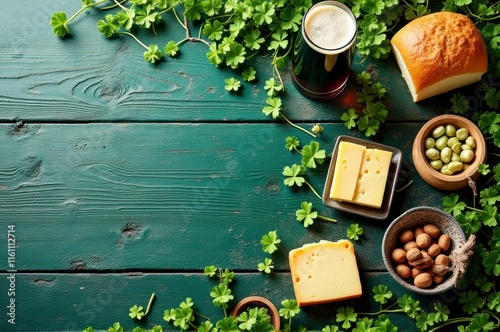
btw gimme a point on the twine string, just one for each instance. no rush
(460, 258)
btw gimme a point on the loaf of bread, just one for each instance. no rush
(439, 52)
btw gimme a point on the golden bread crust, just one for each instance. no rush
(440, 45)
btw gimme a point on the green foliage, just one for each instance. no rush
(306, 215)
(232, 84)
(136, 312)
(354, 231)
(374, 112)
(266, 266)
(270, 242)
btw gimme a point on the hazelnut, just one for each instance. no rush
(423, 240)
(418, 231)
(423, 280)
(415, 272)
(403, 270)
(398, 255)
(406, 236)
(432, 230)
(413, 254)
(409, 245)
(442, 259)
(434, 250)
(437, 279)
(444, 242)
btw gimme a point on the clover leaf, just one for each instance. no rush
(270, 242)
(266, 266)
(293, 175)
(354, 231)
(312, 155)
(346, 316)
(153, 54)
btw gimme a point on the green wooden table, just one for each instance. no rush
(122, 178)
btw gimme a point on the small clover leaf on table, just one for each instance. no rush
(306, 215)
(354, 231)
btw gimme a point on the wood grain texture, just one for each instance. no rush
(99, 300)
(87, 77)
(124, 178)
(144, 196)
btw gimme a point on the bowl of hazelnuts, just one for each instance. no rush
(425, 250)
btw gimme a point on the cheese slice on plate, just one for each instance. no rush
(372, 178)
(360, 175)
(347, 165)
(324, 272)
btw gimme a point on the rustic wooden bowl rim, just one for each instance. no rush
(434, 177)
(261, 302)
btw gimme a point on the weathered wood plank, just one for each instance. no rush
(112, 196)
(71, 302)
(88, 78)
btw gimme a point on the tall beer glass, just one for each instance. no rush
(324, 50)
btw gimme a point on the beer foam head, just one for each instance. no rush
(329, 27)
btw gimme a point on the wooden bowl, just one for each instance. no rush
(436, 178)
(259, 302)
(418, 217)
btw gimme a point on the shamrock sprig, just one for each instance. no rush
(374, 112)
(306, 215)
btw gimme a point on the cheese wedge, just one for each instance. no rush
(349, 158)
(324, 272)
(372, 178)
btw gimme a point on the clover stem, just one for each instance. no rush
(383, 311)
(202, 316)
(117, 4)
(148, 308)
(295, 126)
(327, 219)
(83, 9)
(136, 39)
(313, 190)
(451, 321)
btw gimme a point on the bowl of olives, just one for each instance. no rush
(447, 152)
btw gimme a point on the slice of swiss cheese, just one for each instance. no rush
(324, 272)
(372, 178)
(360, 175)
(349, 158)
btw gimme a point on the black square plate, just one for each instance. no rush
(390, 187)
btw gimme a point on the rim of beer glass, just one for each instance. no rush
(330, 50)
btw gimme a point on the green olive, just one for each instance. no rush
(445, 155)
(457, 147)
(462, 134)
(432, 154)
(450, 130)
(470, 141)
(444, 170)
(441, 142)
(436, 164)
(438, 131)
(455, 166)
(452, 141)
(430, 142)
(466, 155)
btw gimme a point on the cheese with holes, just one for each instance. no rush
(324, 272)
(360, 175)
(372, 178)
(349, 158)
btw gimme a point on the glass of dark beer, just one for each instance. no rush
(324, 50)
